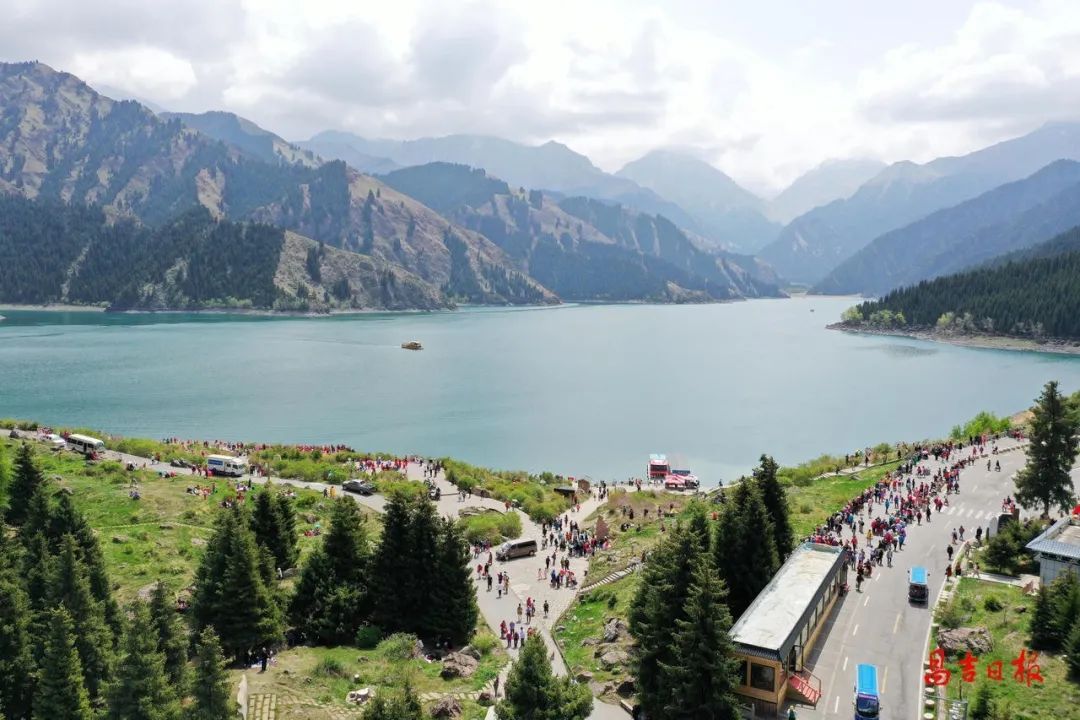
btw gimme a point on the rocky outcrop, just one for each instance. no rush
(977, 640)
(458, 665)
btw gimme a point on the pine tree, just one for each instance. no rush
(420, 566)
(66, 519)
(268, 524)
(331, 601)
(1072, 648)
(212, 691)
(60, 693)
(391, 586)
(452, 614)
(231, 592)
(745, 550)
(534, 693)
(775, 498)
(16, 660)
(1042, 621)
(171, 637)
(1066, 592)
(700, 684)
(982, 701)
(70, 588)
(141, 690)
(1045, 479)
(26, 480)
(289, 547)
(660, 602)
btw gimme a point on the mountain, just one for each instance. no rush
(61, 140)
(51, 252)
(117, 94)
(245, 136)
(725, 212)
(1031, 298)
(551, 166)
(584, 249)
(814, 243)
(336, 150)
(832, 180)
(1013, 216)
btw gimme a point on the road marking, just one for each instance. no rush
(969, 512)
(836, 705)
(884, 678)
(978, 514)
(855, 631)
(845, 662)
(866, 601)
(951, 509)
(896, 625)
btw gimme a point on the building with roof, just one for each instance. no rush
(777, 631)
(1058, 549)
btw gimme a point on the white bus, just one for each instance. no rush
(226, 465)
(85, 444)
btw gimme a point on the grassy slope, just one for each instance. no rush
(1057, 697)
(586, 618)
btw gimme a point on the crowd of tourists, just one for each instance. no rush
(874, 524)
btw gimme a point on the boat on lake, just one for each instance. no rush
(412, 345)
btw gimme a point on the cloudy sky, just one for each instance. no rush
(764, 89)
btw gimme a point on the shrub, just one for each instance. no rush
(484, 642)
(399, 646)
(612, 602)
(992, 604)
(329, 667)
(950, 615)
(492, 526)
(368, 637)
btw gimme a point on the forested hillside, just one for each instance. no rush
(51, 252)
(584, 249)
(61, 140)
(1034, 298)
(1010, 217)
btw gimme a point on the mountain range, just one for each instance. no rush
(1010, 217)
(817, 241)
(478, 219)
(582, 248)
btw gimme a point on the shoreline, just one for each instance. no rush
(982, 342)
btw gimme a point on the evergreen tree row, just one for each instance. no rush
(417, 579)
(696, 580)
(1037, 297)
(66, 651)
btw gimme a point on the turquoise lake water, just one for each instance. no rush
(579, 390)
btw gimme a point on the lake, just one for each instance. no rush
(578, 389)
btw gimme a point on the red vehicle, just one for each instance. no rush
(659, 467)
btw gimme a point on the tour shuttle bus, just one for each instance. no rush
(85, 444)
(867, 702)
(226, 465)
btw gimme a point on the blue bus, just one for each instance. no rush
(867, 703)
(918, 589)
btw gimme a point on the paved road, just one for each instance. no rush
(879, 626)
(523, 572)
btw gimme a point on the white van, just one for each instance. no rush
(226, 465)
(85, 444)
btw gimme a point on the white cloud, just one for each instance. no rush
(763, 90)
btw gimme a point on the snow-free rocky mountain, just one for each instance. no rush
(831, 180)
(59, 139)
(1012, 217)
(814, 243)
(62, 141)
(583, 248)
(728, 214)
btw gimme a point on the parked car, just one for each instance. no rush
(516, 549)
(434, 493)
(180, 463)
(54, 441)
(360, 487)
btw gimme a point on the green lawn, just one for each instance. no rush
(585, 619)
(812, 503)
(1057, 697)
(322, 677)
(627, 546)
(162, 534)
